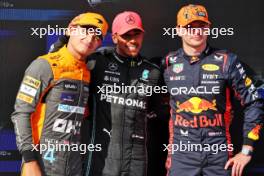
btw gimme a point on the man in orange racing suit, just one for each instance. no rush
(52, 99)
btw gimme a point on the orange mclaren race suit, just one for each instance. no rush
(200, 99)
(50, 106)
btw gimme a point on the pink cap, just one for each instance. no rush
(125, 22)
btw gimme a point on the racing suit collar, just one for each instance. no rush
(67, 55)
(194, 59)
(130, 62)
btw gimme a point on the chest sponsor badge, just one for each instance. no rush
(210, 67)
(145, 74)
(68, 97)
(70, 86)
(177, 68)
(86, 88)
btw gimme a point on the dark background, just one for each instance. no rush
(18, 48)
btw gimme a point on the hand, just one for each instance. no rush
(239, 162)
(31, 169)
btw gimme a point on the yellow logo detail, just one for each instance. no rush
(248, 81)
(254, 134)
(25, 98)
(210, 67)
(31, 82)
(196, 105)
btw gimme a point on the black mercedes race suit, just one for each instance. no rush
(200, 89)
(49, 109)
(119, 115)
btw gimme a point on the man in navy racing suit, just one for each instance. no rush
(201, 80)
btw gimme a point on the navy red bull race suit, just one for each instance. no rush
(200, 99)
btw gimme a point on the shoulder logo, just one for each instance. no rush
(210, 67)
(32, 81)
(172, 59)
(218, 57)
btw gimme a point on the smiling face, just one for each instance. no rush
(130, 43)
(194, 34)
(83, 41)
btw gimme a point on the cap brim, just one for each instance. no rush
(127, 29)
(203, 20)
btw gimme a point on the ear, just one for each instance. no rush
(115, 38)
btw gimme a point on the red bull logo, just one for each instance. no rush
(254, 134)
(196, 105)
(199, 121)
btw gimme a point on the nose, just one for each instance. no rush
(197, 31)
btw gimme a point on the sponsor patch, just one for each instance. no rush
(210, 76)
(145, 74)
(172, 59)
(68, 97)
(196, 105)
(32, 82)
(111, 79)
(218, 58)
(86, 88)
(184, 132)
(177, 68)
(70, 86)
(254, 133)
(248, 82)
(210, 67)
(212, 133)
(201, 121)
(28, 90)
(66, 126)
(113, 66)
(71, 109)
(24, 98)
(177, 78)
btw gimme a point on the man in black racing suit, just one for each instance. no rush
(200, 81)
(119, 116)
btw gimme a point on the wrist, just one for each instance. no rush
(29, 156)
(247, 150)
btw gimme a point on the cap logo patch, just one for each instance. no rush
(99, 21)
(130, 19)
(202, 14)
